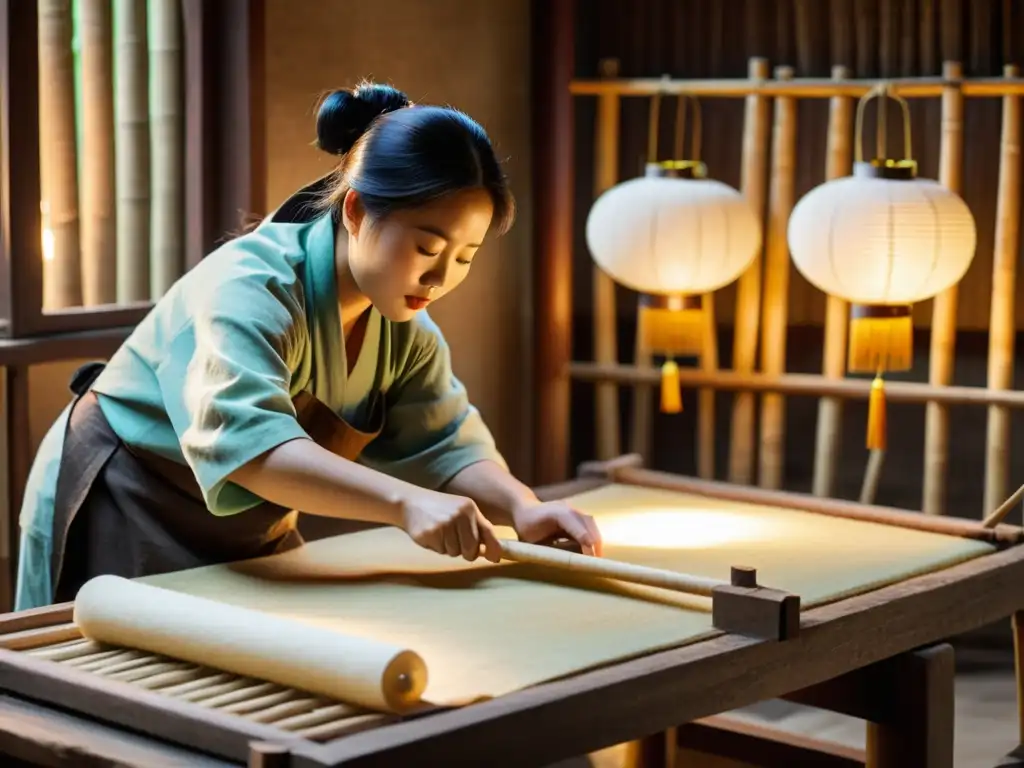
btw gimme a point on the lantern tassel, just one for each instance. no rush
(671, 389)
(876, 437)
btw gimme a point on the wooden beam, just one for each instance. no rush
(553, 174)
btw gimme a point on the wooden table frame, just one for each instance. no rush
(848, 657)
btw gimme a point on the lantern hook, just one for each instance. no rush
(881, 159)
(677, 164)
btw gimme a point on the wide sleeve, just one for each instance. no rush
(226, 383)
(431, 430)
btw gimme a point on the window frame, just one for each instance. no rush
(224, 166)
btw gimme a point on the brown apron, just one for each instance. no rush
(123, 512)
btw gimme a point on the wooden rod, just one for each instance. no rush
(1004, 509)
(606, 173)
(775, 302)
(753, 185)
(969, 529)
(1002, 328)
(33, 638)
(838, 162)
(800, 88)
(807, 384)
(551, 557)
(943, 328)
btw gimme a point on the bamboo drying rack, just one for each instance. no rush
(767, 180)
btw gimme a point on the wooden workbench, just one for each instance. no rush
(879, 655)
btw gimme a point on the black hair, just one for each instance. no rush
(399, 155)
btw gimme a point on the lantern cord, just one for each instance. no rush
(671, 389)
(876, 433)
(680, 135)
(654, 125)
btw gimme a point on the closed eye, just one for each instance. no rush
(425, 252)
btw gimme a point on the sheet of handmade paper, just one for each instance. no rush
(486, 630)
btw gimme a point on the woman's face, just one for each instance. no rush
(413, 257)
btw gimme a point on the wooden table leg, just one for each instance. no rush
(1016, 758)
(918, 730)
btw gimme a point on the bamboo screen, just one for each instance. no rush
(111, 118)
(768, 149)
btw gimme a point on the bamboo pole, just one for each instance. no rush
(943, 328)
(167, 147)
(838, 163)
(99, 225)
(776, 286)
(803, 384)
(969, 529)
(802, 88)
(62, 272)
(132, 152)
(1002, 328)
(706, 396)
(753, 183)
(606, 167)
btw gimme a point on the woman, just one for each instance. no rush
(296, 368)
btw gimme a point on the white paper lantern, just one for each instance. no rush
(882, 241)
(672, 238)
(683, 236)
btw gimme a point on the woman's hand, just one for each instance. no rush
(540, 520)
(449, 524)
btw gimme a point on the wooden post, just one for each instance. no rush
(838, 163)
(943, 331)
(1002, 327)
(920, 731)
(605, 314)
(553, 203)
(753, 181)
(776, 285)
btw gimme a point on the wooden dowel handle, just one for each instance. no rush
(1003, 509)
(535, 554)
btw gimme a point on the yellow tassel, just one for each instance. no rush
(876, 438)
(671, 391)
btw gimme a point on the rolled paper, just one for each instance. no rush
(347, 668)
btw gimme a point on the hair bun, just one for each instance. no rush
(346, 114)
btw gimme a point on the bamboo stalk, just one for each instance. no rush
(606, 167)
(969, 529)
(838, 163)
(753, 183)
(776, 286)
(804, 88)
(1002, 328)
(804, 384)
(99, 225)
(706, 396)
(132, 152)
(943, 328)
(167, 146)
(62, 271)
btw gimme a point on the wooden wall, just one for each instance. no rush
(874, 38)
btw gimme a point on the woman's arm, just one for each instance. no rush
(497, 493)
(299, 474)
(504, 500)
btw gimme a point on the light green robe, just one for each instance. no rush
(207, 380)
